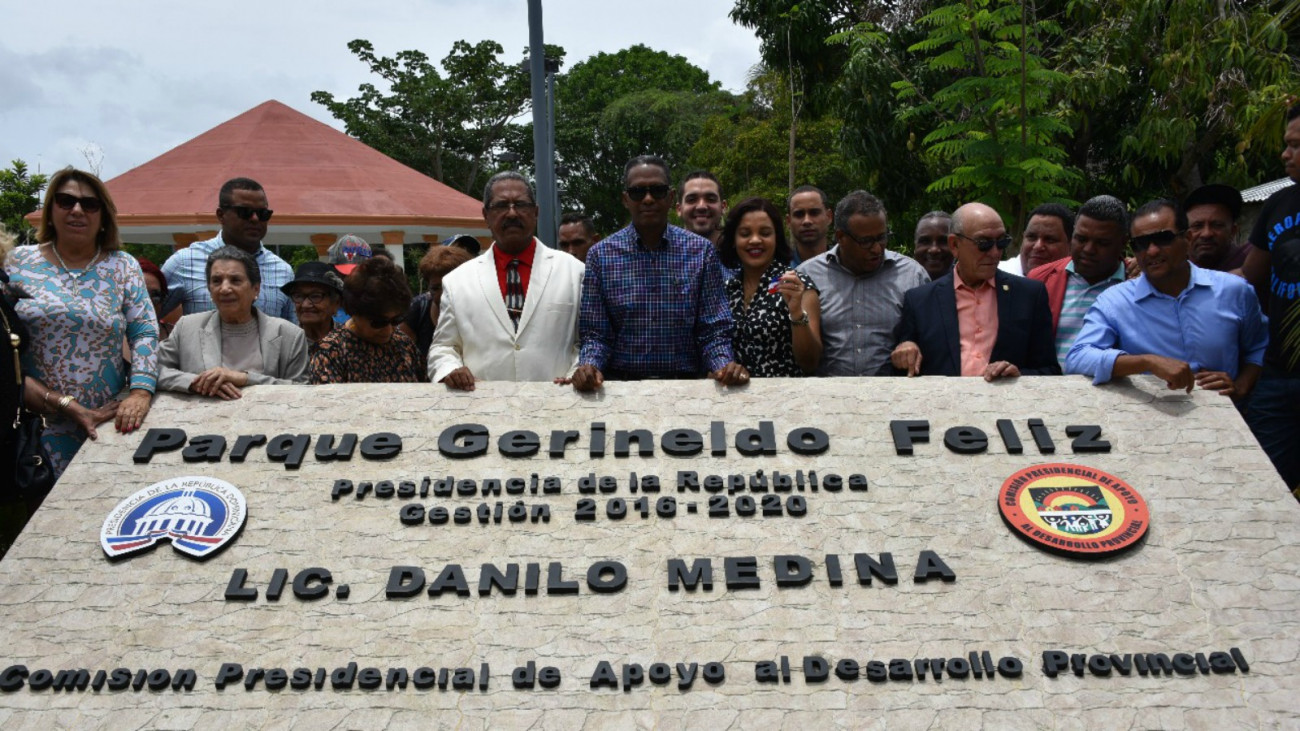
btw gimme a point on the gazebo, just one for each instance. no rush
(320, 182)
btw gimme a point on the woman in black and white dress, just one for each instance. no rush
(776, 310)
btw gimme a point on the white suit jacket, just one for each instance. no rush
(474, 329)
(195, 346)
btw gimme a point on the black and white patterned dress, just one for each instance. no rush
(762, 340)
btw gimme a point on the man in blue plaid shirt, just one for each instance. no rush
(242, 210)
(653, 305)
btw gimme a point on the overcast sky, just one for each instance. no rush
(130, 79)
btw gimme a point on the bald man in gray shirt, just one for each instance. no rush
(862, 284)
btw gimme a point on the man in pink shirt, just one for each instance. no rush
(976, 321)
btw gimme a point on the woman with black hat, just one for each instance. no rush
(316, 291)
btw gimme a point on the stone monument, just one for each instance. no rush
(909, 553)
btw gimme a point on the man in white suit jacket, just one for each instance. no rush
(478, 336)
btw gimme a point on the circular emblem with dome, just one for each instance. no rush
(198, 515)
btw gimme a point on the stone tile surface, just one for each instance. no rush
(1217, 569)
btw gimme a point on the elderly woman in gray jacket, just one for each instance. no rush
(219, 353)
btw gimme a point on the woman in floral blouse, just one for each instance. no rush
(81, 297)
(370, 348)
(777, 312)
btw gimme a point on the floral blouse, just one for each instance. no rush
(343, 357)
(78, 320)
(762, 340)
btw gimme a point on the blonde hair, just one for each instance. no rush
(107, 237)
(7, 241)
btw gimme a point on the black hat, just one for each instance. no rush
(1224, 195)
(466, 242)
(315, 272)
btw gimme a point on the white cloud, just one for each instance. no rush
(139, 78)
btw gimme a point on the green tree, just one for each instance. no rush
(612, 107)
(998, 133)
(839, 59)
(1158, 96)
(450, 124)
(1166, 96)
(792, 39)
(747, 146)
(20, 194)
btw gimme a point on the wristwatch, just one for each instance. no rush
(801, 321)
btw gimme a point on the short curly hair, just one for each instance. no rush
(149, 267)
(439, 260)
(236, 254)
(376, 288)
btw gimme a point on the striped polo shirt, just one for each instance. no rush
(1079, 296)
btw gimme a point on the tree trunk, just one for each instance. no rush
(790, 181)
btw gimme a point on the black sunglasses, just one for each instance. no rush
(985, 244)
(67, 202)
(1159, 238)
(639, 192)
(156, 295)
(247, 212)
(380, 323)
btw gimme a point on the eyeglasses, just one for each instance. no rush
(519, 206)
(985, 244)
(1159, 238)
(156, 295)
(67, 202)
(379, 323)
(314, 298)
(870, 241)
(639, 192)
(247, 212)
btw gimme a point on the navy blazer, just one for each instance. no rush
(1024, 326)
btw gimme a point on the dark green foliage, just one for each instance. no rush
(997, 134)
(20, 194)
(449, 125)
(1166, 96)
(747, 146)
(156, 253)
(612, 107)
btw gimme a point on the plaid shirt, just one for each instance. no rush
(187, 281)
(659, 312)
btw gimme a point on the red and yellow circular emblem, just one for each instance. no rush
(1073, 509)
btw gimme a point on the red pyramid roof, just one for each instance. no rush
(311, 172)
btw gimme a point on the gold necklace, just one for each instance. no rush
(67, 270)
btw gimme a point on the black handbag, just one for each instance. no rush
(33, 470)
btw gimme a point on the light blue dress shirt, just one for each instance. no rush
(187, 280)
(1214, 324)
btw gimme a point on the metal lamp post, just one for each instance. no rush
(543, 126)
